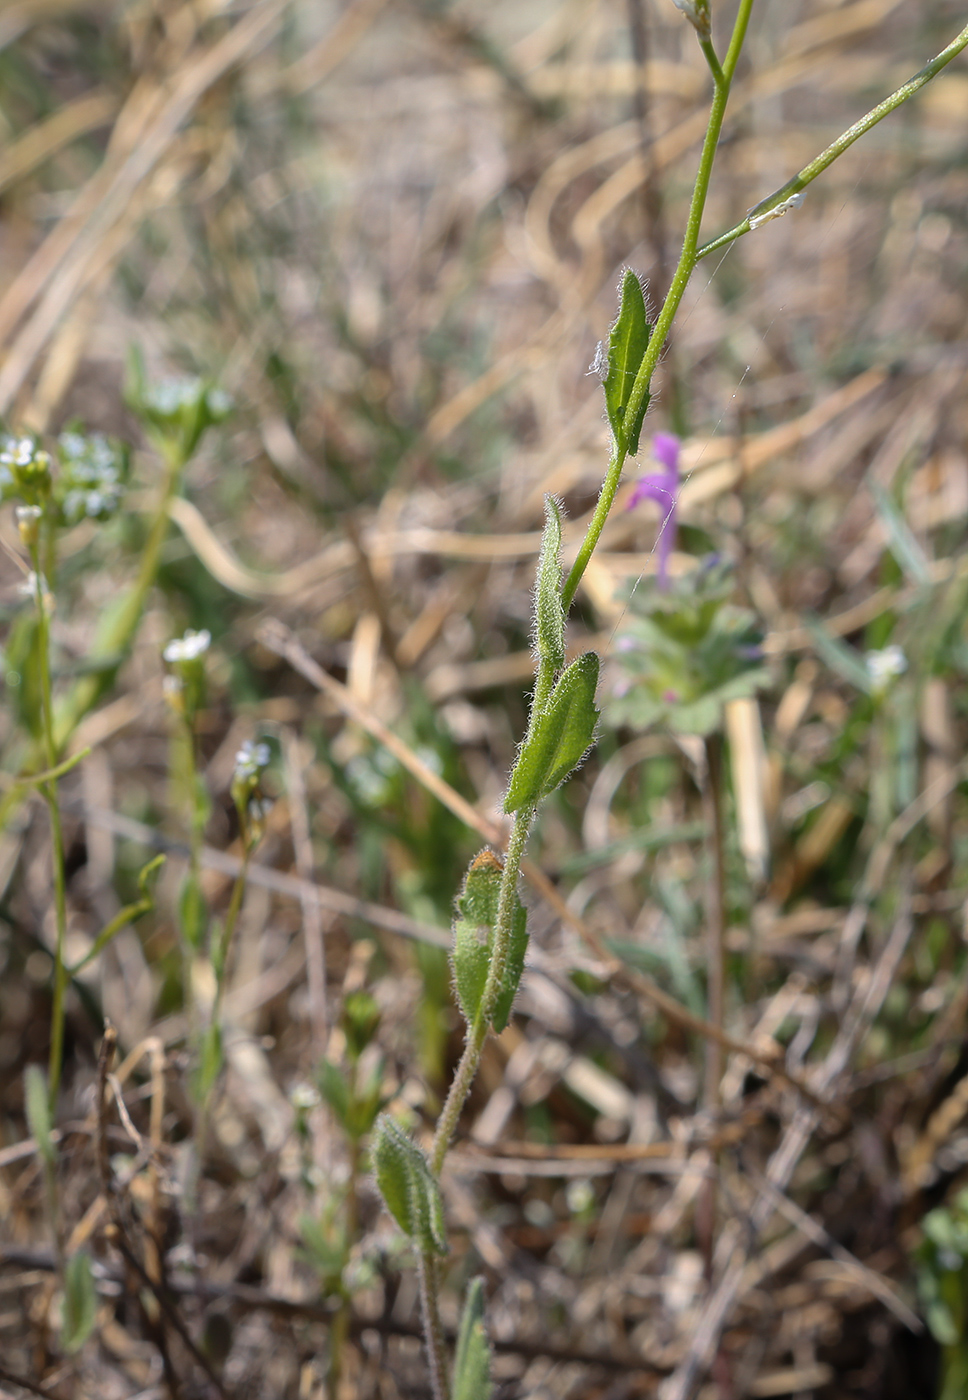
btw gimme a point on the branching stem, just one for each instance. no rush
(760, 213)
(722, 82)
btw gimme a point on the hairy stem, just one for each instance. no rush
(477, 1033)
(433, 1327)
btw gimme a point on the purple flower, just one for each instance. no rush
(662, 487)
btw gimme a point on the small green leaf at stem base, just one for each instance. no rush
(559, 737)
(408, 1187)
(627, 343)
(472, 1363)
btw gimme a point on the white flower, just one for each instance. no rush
(251, 759)
(188, 648)
(883, 666)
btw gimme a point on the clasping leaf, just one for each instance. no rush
(560, 736)
(408, 1187)
(627, 343)
(477, 909)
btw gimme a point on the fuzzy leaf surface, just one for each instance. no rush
(560, 736)
(408, 1187)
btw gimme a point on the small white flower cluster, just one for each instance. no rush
(251, 760)
(883, 666)
(16, 452)
(92, 477)
(188, 648)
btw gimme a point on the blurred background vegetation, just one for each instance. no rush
(391, 231)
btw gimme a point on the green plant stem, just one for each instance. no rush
(228, 933)
(477, 1033)
(819, 163)
(340, 1330)
(433, 1327)
(715, 914)
(49, 790)
(115, 638)
(722, 82)
(127, 915)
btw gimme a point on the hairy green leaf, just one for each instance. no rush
(408, 1187)
(472, 1362)
(559, 737)
(477, 908)
(512, 970)
(627, 343)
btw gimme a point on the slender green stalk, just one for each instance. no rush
(722, 83)
(115, 638)
(49, 790)
(228, 933)
(770, 207)
(477, 1034)
(433, 1328)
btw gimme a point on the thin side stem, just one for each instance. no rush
(680, 280)
(760, 213)
(477, 1033)
(433, 1327)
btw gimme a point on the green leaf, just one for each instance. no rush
(408, 1187)
(559, 737)
(627, 343)
(192, 913)
(513, 969)
(361, 1019)
(335, 1091)
(477, 907)
(211, 1060)
(38, 1111)
(901, 539)
(838, 656)
(472, 1362)
(80, 1302)
(549, 615)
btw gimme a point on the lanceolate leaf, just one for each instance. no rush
(627, 344)
(408, 1187)
(559, 737)
(513, 969)
(472, 1362)
(80, 1302)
